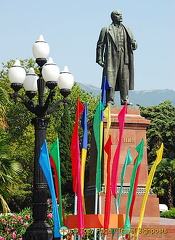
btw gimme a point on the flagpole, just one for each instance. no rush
(75, 204)
(117, 212)
(96, 211)
(75, 211)
(96, 201)
(116, 205)
(99, 198)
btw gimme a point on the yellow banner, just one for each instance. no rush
(107, 115)
(148, 186)
(83, 163)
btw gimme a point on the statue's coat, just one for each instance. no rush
(107, 44)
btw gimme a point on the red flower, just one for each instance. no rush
(49, 215)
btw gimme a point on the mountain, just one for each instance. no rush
(90, 88)
(144, 98)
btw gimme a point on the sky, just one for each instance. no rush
(72, 27)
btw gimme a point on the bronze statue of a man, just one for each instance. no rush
(115, 54)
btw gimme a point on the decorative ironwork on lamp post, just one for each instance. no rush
(49, 76)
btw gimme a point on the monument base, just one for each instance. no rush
(155, 228)
(152, 207)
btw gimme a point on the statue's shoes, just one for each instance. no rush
(128, 103)
(110, 103)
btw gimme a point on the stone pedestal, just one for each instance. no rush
(134, 131)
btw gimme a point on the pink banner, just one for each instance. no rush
(76, 168)
(116, 159)
(107, 149)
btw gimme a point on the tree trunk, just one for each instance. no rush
(169, 195)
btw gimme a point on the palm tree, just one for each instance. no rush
(8, 167)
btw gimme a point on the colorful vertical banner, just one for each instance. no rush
(159, 153)
(98, 140)
(107, 115)
(140, 150)
(80, 201)
(128, 160)
(55, 155)
(55, 173)
(76, 168)
(75, 145)
(105, 86)
(84, 146)
(107, 149)
(45, 165)
(115, 165)
(134, 192)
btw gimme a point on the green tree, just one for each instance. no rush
(164, 181)
(162, 129)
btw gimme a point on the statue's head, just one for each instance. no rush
(116, 16)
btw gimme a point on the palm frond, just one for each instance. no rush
(5, 207)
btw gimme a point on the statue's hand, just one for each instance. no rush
(133, 45)
(101, 63)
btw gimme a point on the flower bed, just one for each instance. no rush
(13, 226)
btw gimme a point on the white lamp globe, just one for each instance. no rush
(16, 73)
(30, 83)
(41, 48)
(50, 71)
(66, 79)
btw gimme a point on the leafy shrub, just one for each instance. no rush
(168, 214)
(13, 226)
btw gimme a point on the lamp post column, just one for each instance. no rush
(40, 194)
(40, 229)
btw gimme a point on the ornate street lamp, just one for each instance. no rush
(50, 77)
